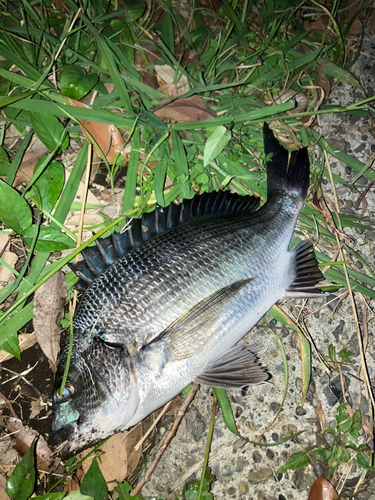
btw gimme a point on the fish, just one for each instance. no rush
(168, 302)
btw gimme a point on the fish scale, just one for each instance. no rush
(174, 307)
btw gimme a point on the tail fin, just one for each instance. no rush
(285, 172)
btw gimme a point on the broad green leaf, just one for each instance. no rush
(124, 489)
(341, 74)
(332, 352)
(49, 129)
(49, 184)
(296, 461)
(191, 488)
(75, 83)
(49, 239)
(179, 156)
(215, 144)
(10, 328)
(14, 210)
(364, 462)
(77, 495)
(324, 452)
(357, 425)
(93, 484)
(21, 482)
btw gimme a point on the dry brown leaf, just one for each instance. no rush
(29, 161)
(320, 414)
(322, 490)
(169, 89)
(3, 483)
(48, 311)
(25, 340)
(24, 436)
(322, 80)
(107, 137)
(118, 459)
(150, 79)
(11, 259)
(167, 74)
(188, 109)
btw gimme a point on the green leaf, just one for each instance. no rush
(357, 425)
(49, 130)
(215, 144)
(93, 484)
(77, 495)
(345, 355)
(49, 239)
(182, 171)
(296, 461)
(324, 452)
(75, 83)
(332, 352)
(364, 462)
(9, 330)
(49, 183)
(124, 489)
(226, 408)
(21, 482)
(14, 210)
(343, 421)
(191, 488)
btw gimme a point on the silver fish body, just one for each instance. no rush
(173, 310)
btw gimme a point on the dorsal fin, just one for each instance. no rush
(107, 250)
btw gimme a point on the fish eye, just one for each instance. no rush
(67, 392)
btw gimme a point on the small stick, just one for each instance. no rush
(9, 405)
(167, 440)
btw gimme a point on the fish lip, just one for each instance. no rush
(60, 441)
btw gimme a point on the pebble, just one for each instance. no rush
(258, 476)
(243, 487)
(231, 491)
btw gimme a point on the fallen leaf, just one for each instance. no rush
(322, 490)
(24, 436)
(169, 89)
(167, 74)
(188, 109)
(322, 80)
(150, 79)
(118, 459)
(107, 137)
(320, 414)
(25, 340)
(11, 259)
(48, 309)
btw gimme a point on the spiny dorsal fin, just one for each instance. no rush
(107, 250)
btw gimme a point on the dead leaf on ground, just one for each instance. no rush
(320, 414)
(118, 459)
(322, 80)
(167, 74)
(322, 490)
(150, 79)
(48, 311)
(188, 109)
(25, 341)
(3, 483)
(11, 259)
(24, 436)
(107, 137)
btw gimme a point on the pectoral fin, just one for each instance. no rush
(185, 337)
(237, 369)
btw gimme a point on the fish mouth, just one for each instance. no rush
(60, 441)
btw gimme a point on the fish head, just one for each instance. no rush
(99, 398)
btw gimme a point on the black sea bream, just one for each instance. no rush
(173, 308)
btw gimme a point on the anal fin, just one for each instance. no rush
(235, 370)
(307, 272)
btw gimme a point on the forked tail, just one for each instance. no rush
(285, 172)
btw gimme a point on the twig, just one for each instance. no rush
(167, 440)
(9, 405)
